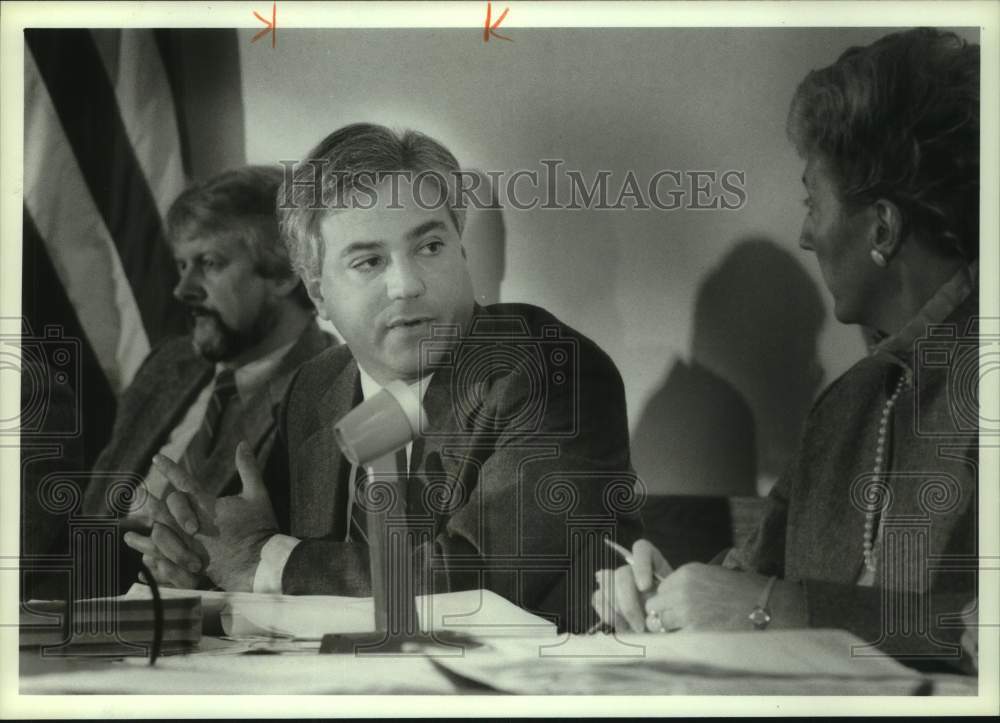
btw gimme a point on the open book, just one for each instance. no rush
(479, 613)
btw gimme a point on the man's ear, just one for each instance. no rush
(888, 229)
(285, 286)
(316, 294)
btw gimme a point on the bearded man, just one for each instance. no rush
(196, 397)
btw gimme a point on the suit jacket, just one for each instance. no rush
(813, 526)
(165, 386)
(49, 455)
(523, 468)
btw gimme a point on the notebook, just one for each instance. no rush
(109, 623)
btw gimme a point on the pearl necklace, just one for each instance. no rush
(877, 473)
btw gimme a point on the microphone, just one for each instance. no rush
(382, 424)
(369, 435)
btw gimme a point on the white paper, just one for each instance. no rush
(308, 617)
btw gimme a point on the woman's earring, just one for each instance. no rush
(879, 258)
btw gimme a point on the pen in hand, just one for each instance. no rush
(627, 557)
(624, 553)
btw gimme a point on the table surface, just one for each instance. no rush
(572, 665)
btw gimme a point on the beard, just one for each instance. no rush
(215, 340)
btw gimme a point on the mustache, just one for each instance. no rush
(196, 311)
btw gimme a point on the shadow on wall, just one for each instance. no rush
(732, 415)
(485, 241)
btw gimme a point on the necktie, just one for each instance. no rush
(357, 528)
(203, 442)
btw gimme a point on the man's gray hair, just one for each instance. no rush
(349, 159)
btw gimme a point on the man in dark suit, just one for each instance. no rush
(523, 465)
(196, 397)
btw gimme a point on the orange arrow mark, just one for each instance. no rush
(491, 29)
(272, 25)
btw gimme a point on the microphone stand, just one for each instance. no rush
(390, 552)
(370, 435)
(393, 578)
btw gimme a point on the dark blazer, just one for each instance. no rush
(523, 468)
(50, 458)
(166, 384)
(813, 526)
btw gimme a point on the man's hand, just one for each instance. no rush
(622, 593)
(710, 597)
(166, 551)
(231, 530)
(155, 557)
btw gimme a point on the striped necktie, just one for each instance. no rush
(203, 442)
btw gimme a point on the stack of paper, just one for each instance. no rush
(111, 624)
(479, 613)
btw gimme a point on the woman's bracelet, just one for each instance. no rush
(760, 616)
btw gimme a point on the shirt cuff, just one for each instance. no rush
(731, 559)
(273, 557)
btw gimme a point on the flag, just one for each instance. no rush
(105, 154)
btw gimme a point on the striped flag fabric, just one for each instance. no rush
(106, 151)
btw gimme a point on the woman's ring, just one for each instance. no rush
(653, 622)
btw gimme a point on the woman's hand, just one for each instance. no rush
(710, 597)
(621, 593)
(970, 637)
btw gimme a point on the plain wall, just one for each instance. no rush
(714, 405)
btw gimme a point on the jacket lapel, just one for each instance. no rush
(260, 412)
(443, 453)
(316, 510)
(438, 406)
(163, 411)
(448, 447)
(440, 398)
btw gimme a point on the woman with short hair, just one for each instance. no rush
(873, 526)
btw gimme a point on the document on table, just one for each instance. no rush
(309, 617)
(801, 662)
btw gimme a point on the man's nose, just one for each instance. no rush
(189, 288)
(404, 280)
